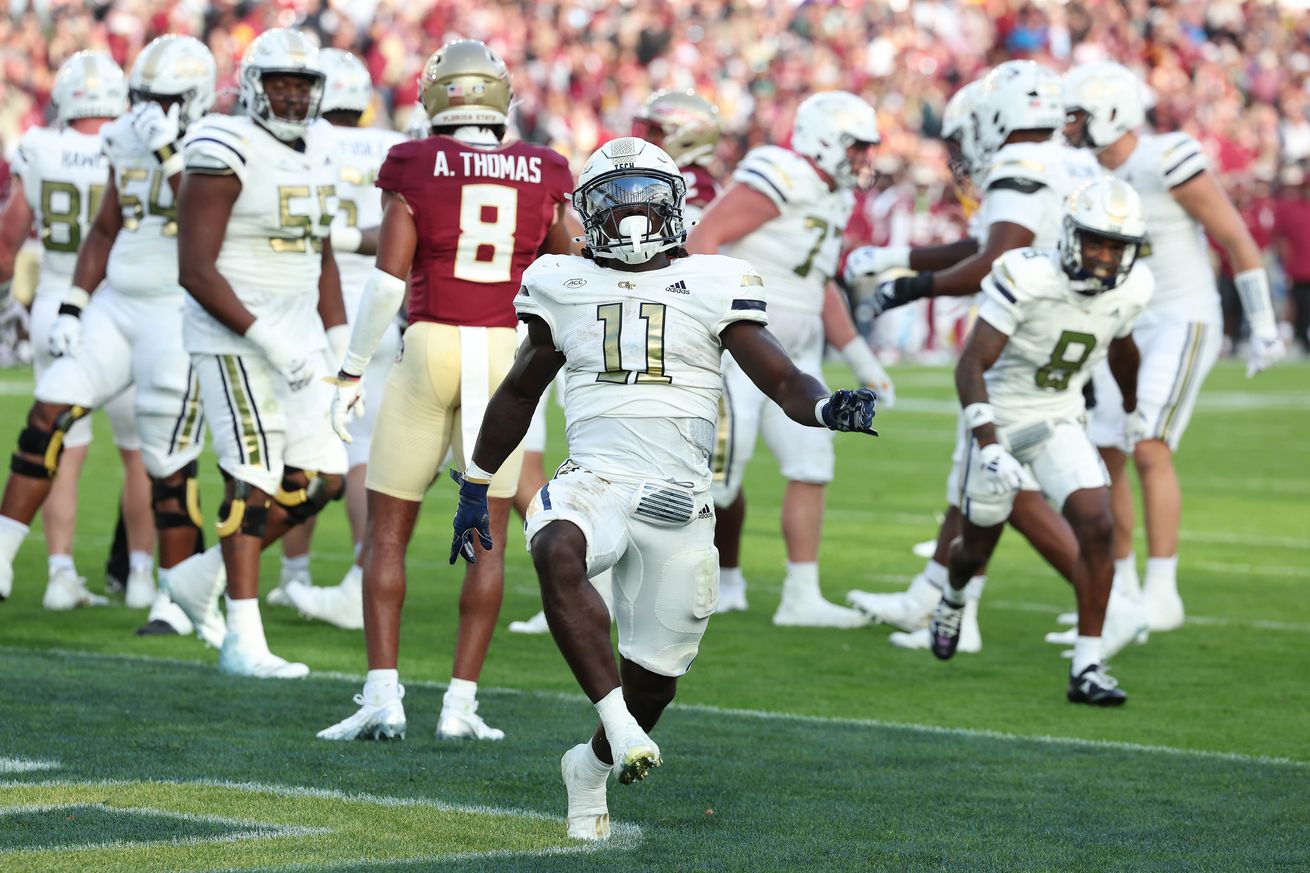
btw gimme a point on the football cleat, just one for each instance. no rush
(635, 755)
(196, 585)
(907, 610)
(165, 617)
(1164, 609)
(456, 724)
(1067, 618)
(1095, 687)
(732, 598)
(340, 605)
(277, 596)
(584, 779)
(382, 721)
(6, 580)
(811, 610)
(944, 628)
(236, 659)
(535, 625)
(67, 590)
(970, 642)
(140, 592)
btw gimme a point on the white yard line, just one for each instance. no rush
(720, 712)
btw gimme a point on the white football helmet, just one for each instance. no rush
(958, 129)
(1017, 95)
(348, 86)
(624, 173)
(280, 50)
(829, 123)
(89, 85)
(1109, 208)
(1112, 98)
(175, 67)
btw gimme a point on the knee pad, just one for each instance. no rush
(303, 503)
(49, 445)
(237, 516)
(186, 493)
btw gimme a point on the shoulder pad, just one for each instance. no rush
(1023, 185)
(781, 175)
(1181, 158)
(217, 144)
(1027, 164)
(1023, 273)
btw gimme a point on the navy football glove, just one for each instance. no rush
(900, 291)
(471, 517)
(851, 411)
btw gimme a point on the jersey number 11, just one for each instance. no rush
(611, 314)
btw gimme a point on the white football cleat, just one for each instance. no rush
(1164, 609)
(140, 590)
(234, 659)
(1067, 618)
(6, 580)
(165, 617)
(196, 585)
(1125, 621)
(1063, 638)
(635, 755)
(732, 598)
(455, 724)
(535, 625)
(278, 596)
(970, 636)
(925, 549)
(908, 610)
(67, 590)
(814, 611)
(341, 605)
(584, 779)
(383, 721)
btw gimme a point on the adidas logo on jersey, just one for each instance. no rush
(705, 511)
(678, 287)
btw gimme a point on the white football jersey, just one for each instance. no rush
(358, 153)
(1057, 336)
(1027, 184)
(642, 370)
(797, 252)
(1176, 247)
(272, 250)
(63, 174)
(143, 260)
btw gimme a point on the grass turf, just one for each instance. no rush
(784, 792)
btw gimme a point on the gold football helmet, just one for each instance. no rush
(465, 83)
(683, 123)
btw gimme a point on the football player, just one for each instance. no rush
(1047, 318)
(463, 213)
(59, 181)
(638, 327)
(785, 212)
(1024, 174)
(254, 209)
(1180, 333)
(686, 126)
(348, 90)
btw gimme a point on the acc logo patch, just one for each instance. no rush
(575, 283)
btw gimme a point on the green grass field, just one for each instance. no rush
(787, 748)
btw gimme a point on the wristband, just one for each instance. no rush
(170, 159)
(1253, 290)
(819, 409)
(347, 239)
(978, 414)
(75, 300)
(897, 257)
(476, 475)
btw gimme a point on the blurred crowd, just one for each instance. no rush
(1234, 74)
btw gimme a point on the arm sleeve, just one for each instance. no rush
(1181, 160)
(763, 171)
(748, 303)
(217, 150)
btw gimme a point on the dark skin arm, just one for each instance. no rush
(204, 205)
(93, 255)
(944, 256)
(331, 305)
(965, 277)
(762, 358)
(981, 350)
(1124, 358)
(397, 237)
(510, 409)
(15, 223)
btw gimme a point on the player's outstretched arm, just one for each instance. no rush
(733, 214)
(204, 205)
(960, 280)
(509, 412)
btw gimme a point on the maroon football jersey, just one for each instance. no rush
(701, 187)
(481, 216)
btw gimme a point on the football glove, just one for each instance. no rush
(347, 403)
(999, 471)
(295, 366)
(869, 261)
(1264, 353)
(66, 333)
(159, 131)
(850, 411)
(1136, 429)
(472, 517)
(900, 291)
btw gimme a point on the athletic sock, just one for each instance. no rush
(140, 561)
(974, 590)
(56, 563)
(802, 580)
(460, 695)
(381, 686)
(295, 566)
(1125, 576)
(1162, 575)
(614, 714)
(12, 534)
(244, 621)
(1086, 653)
(937, 574)
(731, 579)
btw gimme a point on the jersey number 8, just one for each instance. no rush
(67, 215)
(1055, 374)
(488, 217)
